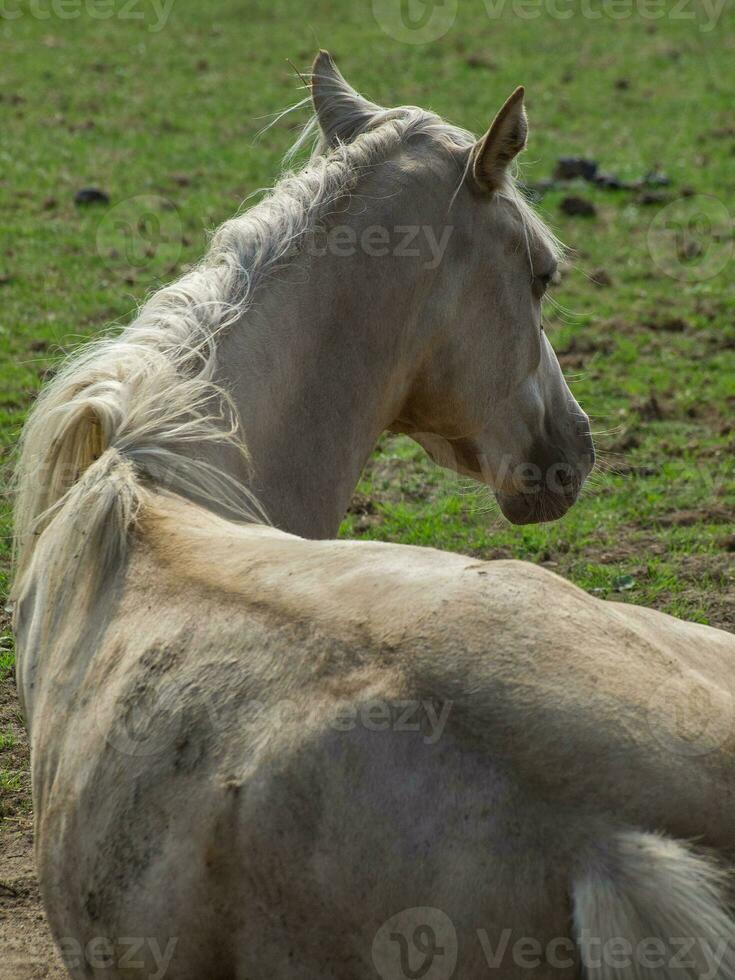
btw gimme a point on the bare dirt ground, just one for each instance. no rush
(27, 950)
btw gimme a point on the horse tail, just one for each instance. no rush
(121, 416)
(646, 906)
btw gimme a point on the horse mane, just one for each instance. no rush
(146, 395)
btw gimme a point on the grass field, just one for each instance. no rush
(161, 111)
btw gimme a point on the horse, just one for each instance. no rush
(260, 752)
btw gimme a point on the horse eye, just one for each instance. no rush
(542, 283)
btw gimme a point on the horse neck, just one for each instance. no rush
(314, 388)
(320, 367)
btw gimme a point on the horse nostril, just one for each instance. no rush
(563, 480)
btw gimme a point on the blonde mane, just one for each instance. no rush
(147, 396)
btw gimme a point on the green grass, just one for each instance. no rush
(173, 114)
(10, 781)
(7, 740)
(7, 659)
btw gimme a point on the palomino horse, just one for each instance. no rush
(260, 756)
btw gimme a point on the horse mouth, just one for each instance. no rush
(538, 499)
(534, 508)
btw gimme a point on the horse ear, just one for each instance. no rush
(341, 111)
(502, 143)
